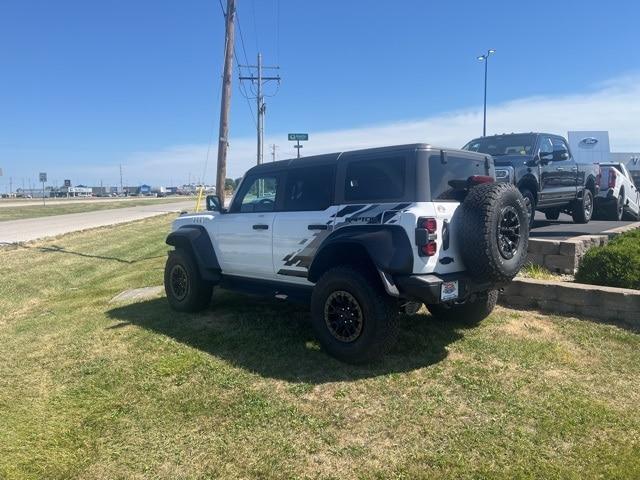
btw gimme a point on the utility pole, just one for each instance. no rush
(273, 152)
(10, 185)
(260, 79)
(225, 105)
(121, 187)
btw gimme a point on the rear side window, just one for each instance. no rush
(375, 179)
(309, 188)
(448, 181)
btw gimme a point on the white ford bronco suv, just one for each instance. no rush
(361, 236)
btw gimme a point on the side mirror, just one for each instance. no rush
(213, 203)
(560, 155)
(546, 157)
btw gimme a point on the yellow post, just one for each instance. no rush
(199, 198)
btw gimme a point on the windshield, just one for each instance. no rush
(498, 145)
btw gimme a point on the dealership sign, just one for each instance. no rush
(588, 142)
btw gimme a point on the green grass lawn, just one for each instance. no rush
(93, 389)
(71, 206)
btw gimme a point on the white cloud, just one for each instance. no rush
(613, 105)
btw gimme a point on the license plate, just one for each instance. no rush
(449, 290)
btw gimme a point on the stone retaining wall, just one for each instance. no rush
(563, 256)
(621, 305)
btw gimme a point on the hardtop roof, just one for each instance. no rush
(327, 158)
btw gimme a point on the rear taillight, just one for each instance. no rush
(612, 178)
(429, 249)
(479, 179)
(429, 224)
(426, 236)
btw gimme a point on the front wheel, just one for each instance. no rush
(583, 208)
(470, 312)
(354, 319)
(186, 290)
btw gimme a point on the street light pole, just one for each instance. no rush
(485, 58)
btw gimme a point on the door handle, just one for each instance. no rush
(261, 226)
(574, 169)
(560, 169)
(320, 226)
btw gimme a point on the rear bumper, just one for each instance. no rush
(606, 195)
(427, 288)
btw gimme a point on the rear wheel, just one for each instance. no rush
(186, 290)
(354, 319)
(470, 313)
(583, 208)
(616, 210)
(529, 204)
(552, 214)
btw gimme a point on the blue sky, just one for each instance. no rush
(86, 85)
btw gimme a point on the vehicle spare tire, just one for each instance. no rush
(494, 232)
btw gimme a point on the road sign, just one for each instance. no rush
(293, 137)
(43, 177)
(67, 183)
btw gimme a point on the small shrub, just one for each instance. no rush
(537, 272)
(617, 264)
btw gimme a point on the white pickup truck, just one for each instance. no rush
(618, 196)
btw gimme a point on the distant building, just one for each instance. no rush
(593, 147)
(79, 191)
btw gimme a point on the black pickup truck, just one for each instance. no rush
(545, 172)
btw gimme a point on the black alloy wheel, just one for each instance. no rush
(343, 316)
(509, 232)
(179, 282)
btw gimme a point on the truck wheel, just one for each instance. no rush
(530, 204)
(552, 214)
(616, 210)
(494, 231)
(470, 313)
(354, 319)
(583, 208)
(185, 289)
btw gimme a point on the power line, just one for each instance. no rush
(278, 32)
(244, 51)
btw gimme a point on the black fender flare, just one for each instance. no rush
(388, 247)
(195, 238)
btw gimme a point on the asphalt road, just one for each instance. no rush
(564, 228)
(37, 202)
(29, 229)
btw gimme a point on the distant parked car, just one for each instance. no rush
(618, 196)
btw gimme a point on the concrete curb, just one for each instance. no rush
(620, 305)
(564, 256)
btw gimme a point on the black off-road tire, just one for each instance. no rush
(484, 230)
(468, 313)
(186, 290)
(552, 214)
(379, 326)
(530, 204)
(579, 212)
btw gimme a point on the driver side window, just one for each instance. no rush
(259, 195)
(545, 145)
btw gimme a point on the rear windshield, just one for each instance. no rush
(497, 145)
(448, 181)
